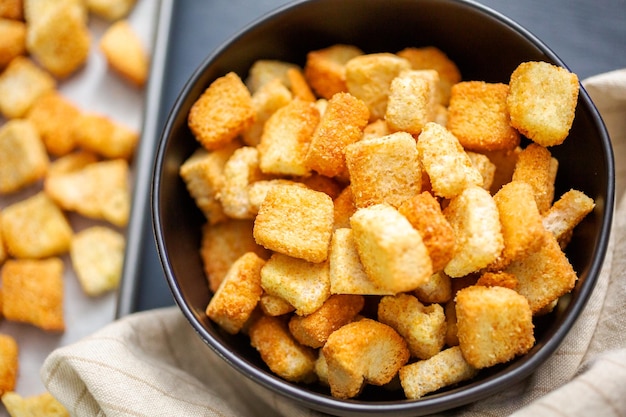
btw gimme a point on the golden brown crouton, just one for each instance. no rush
(376, 129)
(444, 369)
(222, 112)
(37, 405)
(12, 40)
(110, 9)
(536, 166)
(504, 162)
(21, 83)
(438, 289)
(384, 170)
(295, 221)
(391, 250)
(494, 324)
(11, 9)
(325, 69)
(486, 168)
(71, 162)
(266, 100)
(3, 252)
(479, 118)
(412, 100)
(344, 208)
(499, 279)
(298, 85)
(23, 158)
(542, 101)
(273, 305)
(125, 52)
(257, 191)
(565, 214)
(238, 294)
(331, 186)
(35, 228)
(32, 292)
(54, 117)
(363, 352)
(281, 352)
(9, 363)
(342, 124)
(264, 71)
(100, 134)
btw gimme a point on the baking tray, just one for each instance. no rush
(588, 35)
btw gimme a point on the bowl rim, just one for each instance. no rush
(522, 368)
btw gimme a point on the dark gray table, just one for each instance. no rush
(588, 35)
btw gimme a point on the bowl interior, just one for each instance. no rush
(486, 46)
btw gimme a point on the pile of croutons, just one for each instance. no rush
(56, 158)
(373, 216)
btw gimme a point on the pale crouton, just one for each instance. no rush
(36, 405)
(536, 166)
(412, 100)
(363, 352)
(101, 134)
(32, 292)
(264, 71)
(97, 255)
(391, 250)
(238, 294)
(9, 363)
(448, 166)
(299, 86)
(272, 305)
(376, 129)
(384, 170)
(286, 138)
(35, 228)
(12, 40)
(444, 369)
(423, 327)
(295, 221)
(497, 279)
(479, 118)
(54, 116)
(341, 125)
(368, 77)
(494, 324)
(566, 213)
(486, 168)
(125, 52)
(438, 289)
(265, 101)
(21, 83)
(344, 208)
(321, 368)
(304, 285)
(222, 112)
(542, 101)
(12, 9)
(110, 9)
(281, 352)
(474, 217)
(23, 158)
(71, 162)
(325, 69)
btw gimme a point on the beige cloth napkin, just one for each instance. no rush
(153, 364)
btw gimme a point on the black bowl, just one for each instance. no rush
(486, 46)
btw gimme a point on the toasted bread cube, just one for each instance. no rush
(35, 228)
(369, 77)
(12, 40)
(325, 69)
(479, 118)
(109, 138)
(474, 216)
(376, 129)
(341, 125)
(11, 9)
(37, 405)
(238, 294)
(266, 100)
(438, 289)
(321, 368)
(391, 250)
(444, 369)
(257, 191)
(344, 208)
(363, 352)
(451, 331)
(110, 9)
(486, 168)
(3, 252)
(9, 363)
(412, 100)
(347, 275)
(494, 324)
(100, 191)
(498, 279)
(331, 186)
(265, 71)
(338, 310)
(384, 170)
(424, 213)
(295, 221)
(54, 117)
(504, 162)
(536, 166)
(222, 112)
(21, 83)
(23, 158)
(566, 213)
(273, 305)
(423, 327)
(222, 244)
(32, 292)
(299, 86)
(125, 52)
(281, 352)
(448, 166)
(304, 285)
(542, 101)
(97, 255)
(286, 138)
(71, 162)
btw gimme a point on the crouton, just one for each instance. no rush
(423, 327)
(264, 71)
(504, 162)
(384, 170)
(110, 10)
(222, 112)
(566, 213)
(298, 85)
(479, 118)
(542, 101)
(12, 40)
(3, 252)
(363, 352)
(304, 285)
(35, 228)
(494, 324)
(344, 208)
(325, 69)
(54, 117)
(448, 166)
(331, 186)
(32, 292)
(23, 158)
(412, 100)
(438, 289)
(368, 78)
(9, 363)
(475, 219)
(486, 168)
(391, 250)
(281, 352)
(376, 129)
(11, 9)
(21, 83)
(536, 166)
(36, 405)
(125, 52)
(273, 305)
(257, 191)
(497, 279)
(295, 221)
(451, 329)
(341, 125)
(266, 100)
(321, 368)
(71, 162)
(444, 369)
(101, 134)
